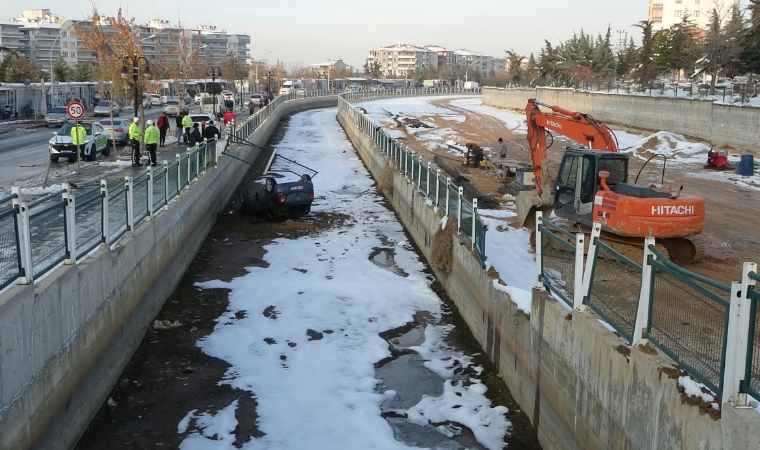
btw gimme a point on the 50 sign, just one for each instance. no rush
(75, 110)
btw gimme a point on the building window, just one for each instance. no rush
(696, 2)
(678, 13)
(696, 13)
(678, 2)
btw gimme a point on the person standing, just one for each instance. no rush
(251, 107)
(178, 125)
(152, 134)
(163, 127)
(211, 131)
(194, 136)
(78, 135)
(134, 141)
(502, 148)
(228, 117)
(187, 125)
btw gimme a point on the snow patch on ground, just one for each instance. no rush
(695, 389)
(323, 393)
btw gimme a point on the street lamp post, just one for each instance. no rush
(269, 82)
(52, 72)
(135, 71)
(257, 69)
(215, 71)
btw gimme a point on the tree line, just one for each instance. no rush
(729, 46)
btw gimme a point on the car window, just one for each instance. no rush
(200, 118)
(103, 103)
(58, 110)
(66, 129)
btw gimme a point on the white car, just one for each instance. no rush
(256, 99)
(60, 145)
(106, 108)
(198, 118)
(155, 100)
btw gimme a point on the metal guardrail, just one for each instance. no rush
(689, 320)
(708, 328)
(66, 225)
(442, 192)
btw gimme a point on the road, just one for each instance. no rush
(24, 151)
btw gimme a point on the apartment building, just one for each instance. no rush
(666, 13)
(10, 37)
(400, 59)
(44, 37)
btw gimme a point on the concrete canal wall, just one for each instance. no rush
(577, 381)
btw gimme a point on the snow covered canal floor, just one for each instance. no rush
(339, 338)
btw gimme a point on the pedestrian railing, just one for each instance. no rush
(66, 225)
(441, 191)
(707, 328)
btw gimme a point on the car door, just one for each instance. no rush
(100, 136)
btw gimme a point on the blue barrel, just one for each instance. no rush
(747, 166)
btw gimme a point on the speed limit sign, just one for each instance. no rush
(75, 110)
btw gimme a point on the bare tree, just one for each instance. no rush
(722, 42)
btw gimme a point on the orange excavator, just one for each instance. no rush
(592, 185)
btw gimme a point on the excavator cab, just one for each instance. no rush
(578, 181)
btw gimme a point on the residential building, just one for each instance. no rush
(45, 37)
(400, 59)
(333, 66)
(10, 37)
(666, 13)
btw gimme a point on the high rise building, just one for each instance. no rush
(666, 13)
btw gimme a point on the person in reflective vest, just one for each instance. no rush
(152, 135)
(78, 135)
(134, 139)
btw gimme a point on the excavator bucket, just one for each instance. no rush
(525, 204)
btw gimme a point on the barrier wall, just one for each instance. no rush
(65, 340)
(577, 381)
(719, 125)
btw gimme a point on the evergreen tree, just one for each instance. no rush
(750, 54)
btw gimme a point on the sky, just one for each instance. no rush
(309, 32)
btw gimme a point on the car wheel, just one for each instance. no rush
(107, 150)
(305, 177)
(54, 158)
(269, 185)
(46, 125)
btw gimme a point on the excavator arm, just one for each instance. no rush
(579, 127)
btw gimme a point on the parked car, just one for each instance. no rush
(279, 201)
(173, 108)
(56, 116)
(155, 100)
(198, 118)
(60, 145)
(256, 98)
(118, 130)
(105, 107)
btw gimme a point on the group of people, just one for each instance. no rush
(188, 132)
(265, 99)
(475, 152)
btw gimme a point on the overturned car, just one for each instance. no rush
(289, 198)
(279, 201)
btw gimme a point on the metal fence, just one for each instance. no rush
(442, 192)
(614, 288)
(557, 248)
(689, 320)
(694, 320)
(66, 225)
(751, 382)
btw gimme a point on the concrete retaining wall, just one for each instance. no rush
(65, 340)
(581, 387)
(719, 125)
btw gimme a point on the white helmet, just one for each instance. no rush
(150, 122)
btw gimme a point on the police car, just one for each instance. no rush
(60, 145)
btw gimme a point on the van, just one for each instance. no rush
(286, 87)
(740, 80)
(210, 103)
